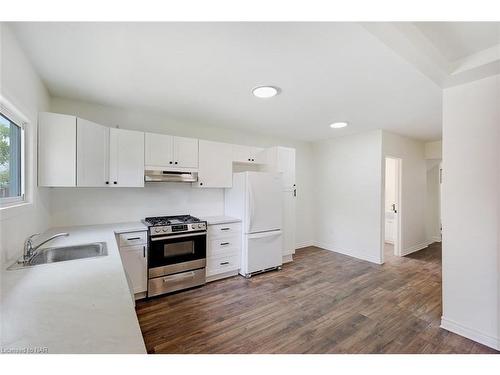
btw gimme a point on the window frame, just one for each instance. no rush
(20, 199)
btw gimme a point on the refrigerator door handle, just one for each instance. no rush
(271, 233)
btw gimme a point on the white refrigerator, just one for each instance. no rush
(256, 199)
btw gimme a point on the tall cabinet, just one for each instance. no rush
(282, 160)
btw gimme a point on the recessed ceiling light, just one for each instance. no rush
(265, 91)
(338, 125)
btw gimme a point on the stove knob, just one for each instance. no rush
(164, 229)
(157, 230)
(200, 226)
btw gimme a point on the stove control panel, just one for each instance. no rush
(178, 228)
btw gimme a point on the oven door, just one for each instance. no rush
(177, 248)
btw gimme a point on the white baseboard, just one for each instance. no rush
(287, 258)
(358, 255)
(300, 245)
(470, 333)
(415, 248)
(435, 239)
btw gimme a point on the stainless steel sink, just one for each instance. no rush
(64, 253)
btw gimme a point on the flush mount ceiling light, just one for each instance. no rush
(265, 92)
(338, 125)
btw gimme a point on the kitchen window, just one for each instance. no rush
(11, 160)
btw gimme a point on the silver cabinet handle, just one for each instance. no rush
(225, 228)
(133, 238)
(186, 275)
(224, 243)
(144, 251)
(178, 236)
(224, 263)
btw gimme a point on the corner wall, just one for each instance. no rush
(21, 87)
(471, 210)
(348, 194)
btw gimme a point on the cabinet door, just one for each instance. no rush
(185, 152)
(242, 154)
(91, 153)
(126, 158)
(286, 161)
(135, 265)
(56, 149)
(288, 223)
(258, 155)
(215, 165)
(159, 150)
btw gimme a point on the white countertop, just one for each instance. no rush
(213, 220)
(78, 306)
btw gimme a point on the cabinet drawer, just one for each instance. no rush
(218, 244)
(133, 238)
(224, 230)
(222, 264)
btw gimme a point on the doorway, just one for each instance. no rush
(392, 208)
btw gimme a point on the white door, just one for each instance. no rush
(135, 265)
(159, 150)
(288, 222)
(286, 162)
(264, 202)
(215, 168)
(92, 153)
(389, 226)
(185, 152)
(56, 149)
(126, 158)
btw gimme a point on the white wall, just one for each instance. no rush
(413, 189)
(471, 210)
(347, 193)
(22, 88)
(86, 206)
(433, 211)
(434, 150)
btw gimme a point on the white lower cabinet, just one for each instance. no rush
(223, 250)
(134, 259)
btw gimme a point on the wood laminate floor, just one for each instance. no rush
(323, 302)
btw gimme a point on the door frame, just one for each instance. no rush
(399, 189)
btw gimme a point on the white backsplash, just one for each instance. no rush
(85, 206)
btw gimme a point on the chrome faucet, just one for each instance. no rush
(29, 250)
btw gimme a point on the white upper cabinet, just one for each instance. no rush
(282, 159)
(159, 150)
(173, 152)
(91, 153)
(185, 152)
(56, 149)
(126, 158)
(248, 154)
(215, 165)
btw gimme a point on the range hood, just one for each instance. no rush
(169, 176)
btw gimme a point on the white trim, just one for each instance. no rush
(435, 239)
(350, 253)
(470, 333)
(19, 119)
(415, 248)
(287, 258)
(300, 245)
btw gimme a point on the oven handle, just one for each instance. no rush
(178, 236)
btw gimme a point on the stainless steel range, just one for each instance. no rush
(176, 253)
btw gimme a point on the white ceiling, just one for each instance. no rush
(457, 40)
(204, 73)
